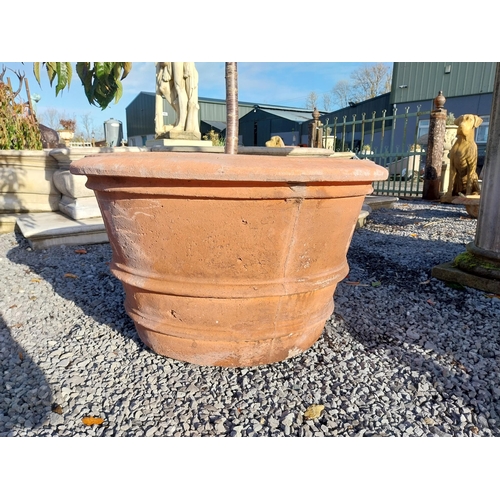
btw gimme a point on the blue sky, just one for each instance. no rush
(283, 83)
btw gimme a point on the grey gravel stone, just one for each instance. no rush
(409, 357)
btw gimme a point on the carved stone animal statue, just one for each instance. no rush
(463, 159)
(50, 138)
(275, 142)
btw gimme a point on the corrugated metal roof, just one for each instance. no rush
(203, 99)
(297, 116)
(286, 108)
(218, 125)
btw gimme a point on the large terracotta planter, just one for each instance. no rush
(228, 260)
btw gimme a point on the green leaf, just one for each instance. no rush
(51, 71)
(36, 71)
(62, 77)
(102, 69)
(85, 75)
(119, 91)
(126, 69)
(376, 283)
(69, 72)
(117, 69)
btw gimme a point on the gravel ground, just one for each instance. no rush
(403, 354)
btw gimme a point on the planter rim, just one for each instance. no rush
(223, 167)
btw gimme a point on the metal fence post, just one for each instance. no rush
(315, 133)
(435, 148)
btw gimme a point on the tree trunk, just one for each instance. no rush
(231, 147)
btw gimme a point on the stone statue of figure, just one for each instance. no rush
(177, 82)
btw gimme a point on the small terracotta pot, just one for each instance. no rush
(228, 260)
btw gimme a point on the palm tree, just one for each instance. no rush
(102, 84)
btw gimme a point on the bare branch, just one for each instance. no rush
(312, 100)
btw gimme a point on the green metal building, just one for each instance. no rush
(258, 122)
(467, 87)
(140, 116)
(421, 81)
(266, 121)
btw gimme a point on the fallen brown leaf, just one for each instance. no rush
(70, 275)
(92, 420)
(351, 282)
(35, 280)
(314, 411)
(18, 325)
(414, 235)
(21, 355)
(56, 408)
(474, 430)
(429, 301)
(81, 251)
(12, 306)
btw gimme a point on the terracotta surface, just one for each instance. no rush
(229, 260)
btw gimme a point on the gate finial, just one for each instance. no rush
(439, 101)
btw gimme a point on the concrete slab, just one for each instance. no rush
(375, 201)
(446, 272)
(7, 223)
(45, 230)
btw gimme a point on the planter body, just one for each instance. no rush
(229, 260)
(26, 181)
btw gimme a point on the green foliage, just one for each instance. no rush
(101, 80)
(215, 139)
(62, 70)
(450, 119)
(18, 129)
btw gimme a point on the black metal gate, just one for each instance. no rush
(396, 142)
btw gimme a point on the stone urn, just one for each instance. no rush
(66, 135)
(229, 260)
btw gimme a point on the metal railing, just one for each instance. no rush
(388, 140)
(80, 144)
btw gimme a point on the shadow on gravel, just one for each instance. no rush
(444, 335)
(81, 275)
(25, 395)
